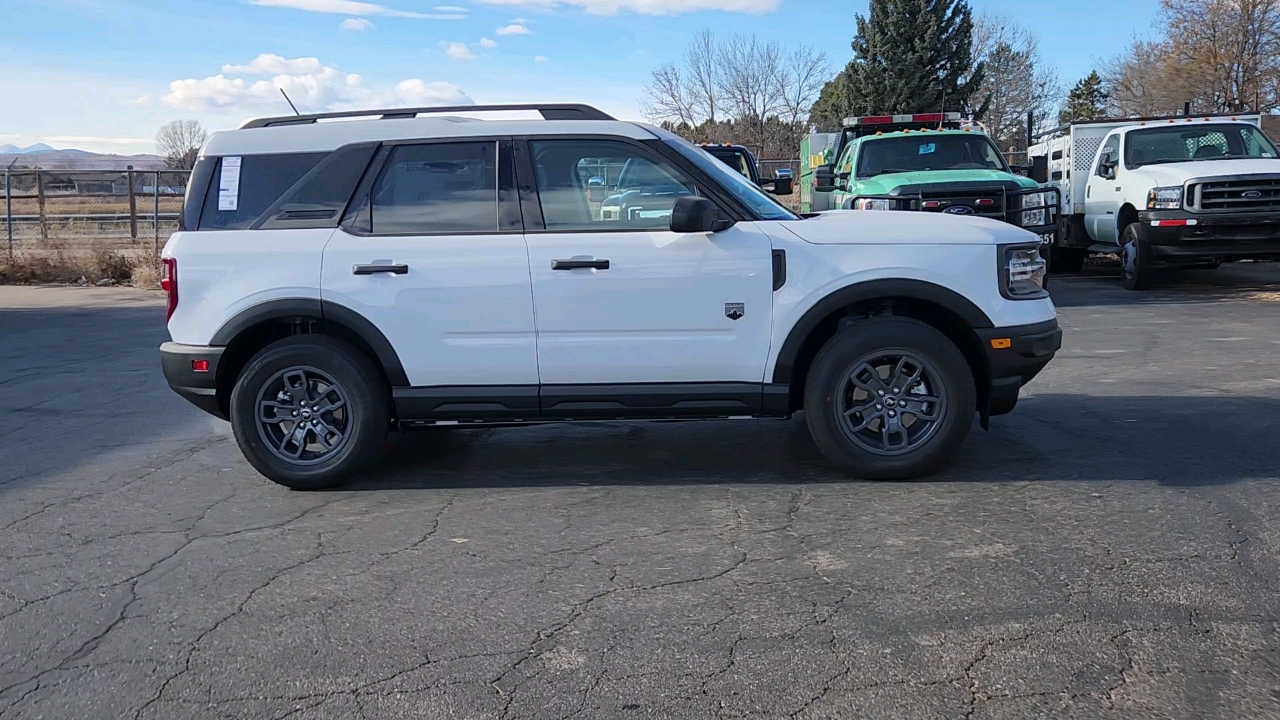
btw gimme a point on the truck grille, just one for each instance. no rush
(1249, 194)
(992, 205)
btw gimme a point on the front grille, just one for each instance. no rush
(967, 198)
(1248, 194)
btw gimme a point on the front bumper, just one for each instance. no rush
(1200, 237)
(200, 388)
(1015, 355)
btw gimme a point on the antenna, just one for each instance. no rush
(286, 99)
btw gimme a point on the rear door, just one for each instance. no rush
(432, 253)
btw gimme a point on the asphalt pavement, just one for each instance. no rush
(1110, 550)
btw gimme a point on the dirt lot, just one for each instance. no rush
(1110, 550)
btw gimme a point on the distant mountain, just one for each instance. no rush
(15, 150)
(43, 157)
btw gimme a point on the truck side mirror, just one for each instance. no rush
(824, 178)
(782, 186)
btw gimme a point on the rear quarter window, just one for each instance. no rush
(263, 179)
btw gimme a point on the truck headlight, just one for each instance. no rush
(1165, 198)
(1036, 218)
(1022, 272)
(871, 204)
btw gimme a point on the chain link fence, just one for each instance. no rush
(56, 217)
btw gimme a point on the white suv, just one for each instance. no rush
(336, 280)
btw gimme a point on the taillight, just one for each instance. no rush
(169, 283)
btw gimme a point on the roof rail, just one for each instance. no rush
(562, 111)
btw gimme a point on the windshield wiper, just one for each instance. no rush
(888, 171)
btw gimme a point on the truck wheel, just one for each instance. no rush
(308, 411)
(889, 398)
(1067, 260)
(1135, 259)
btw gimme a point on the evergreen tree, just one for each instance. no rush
(909, 56)
(1086, 101)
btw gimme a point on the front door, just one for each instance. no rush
(1102, 193)
(430, 256)
(623, 300)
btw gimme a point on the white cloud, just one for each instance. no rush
(539, 58)
(515, 28)
(647, 7)
(457, 51)
(450, 9)
(488, 44)
(356, 7)
(141, 100)
(312, 85)
(355, 24)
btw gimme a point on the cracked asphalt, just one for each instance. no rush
(1110, 550)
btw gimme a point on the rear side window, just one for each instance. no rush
(439, 188)
(243, 187)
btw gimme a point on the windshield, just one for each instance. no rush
(742, 189)
(912, 153)
(1200, 142)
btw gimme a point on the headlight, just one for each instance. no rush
(1022, 272)
(1035, 218)
(871, 204)
(1040, 199)
(1165, 198)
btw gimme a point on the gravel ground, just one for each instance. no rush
(1109, 550)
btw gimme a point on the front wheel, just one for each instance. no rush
(1135, 259)
(308, 411)
(889, 398)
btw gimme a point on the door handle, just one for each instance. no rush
(379, 269)
(579, 264)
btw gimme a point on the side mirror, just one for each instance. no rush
(782, 186)
(824, 178)
(693, 214)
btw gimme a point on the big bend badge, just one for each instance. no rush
(734, 311)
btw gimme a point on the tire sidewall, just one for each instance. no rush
(836, 360)
(368, 404)
(1137, 277)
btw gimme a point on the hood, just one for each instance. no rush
(874, 227)
(1170, 174)
(883, 184)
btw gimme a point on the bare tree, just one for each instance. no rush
(179, 142)
(741, 90)
(1016, 82)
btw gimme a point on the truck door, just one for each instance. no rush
(1102, 193)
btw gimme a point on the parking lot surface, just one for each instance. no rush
(1110, 550)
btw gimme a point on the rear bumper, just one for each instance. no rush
(199, 388)
(1029, 349)
(1209, 237)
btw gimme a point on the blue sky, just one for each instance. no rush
(103, 75)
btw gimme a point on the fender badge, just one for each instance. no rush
(734, 311)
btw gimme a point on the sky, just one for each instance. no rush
(104, 75)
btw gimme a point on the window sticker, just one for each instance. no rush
(229, 185)
(927, 148)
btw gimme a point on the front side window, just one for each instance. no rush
(603, 185)
(735, 159)
(765, 206)
(439, 188)
(928, 151)
(1187, 142)
(1110, 152)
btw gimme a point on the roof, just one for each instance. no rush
(914, 133)
(328, 131)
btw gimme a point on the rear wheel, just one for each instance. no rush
(889, 399)
(308, 411)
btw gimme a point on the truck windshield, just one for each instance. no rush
(1173, 144)
(928, 151)
(742, 189)
(734, 158)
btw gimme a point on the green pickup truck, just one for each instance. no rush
(923, 163)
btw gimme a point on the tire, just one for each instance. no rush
(1135, 259)
(839, 380)
(1067, 260)
(344, 437)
